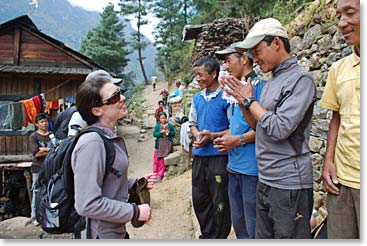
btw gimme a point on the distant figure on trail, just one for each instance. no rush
(208, 119)
(164, 133)
(39, 146)
(341, 171)
(154, 81)
(164, 94)
(158, 110)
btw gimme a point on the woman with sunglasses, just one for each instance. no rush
(104, 200)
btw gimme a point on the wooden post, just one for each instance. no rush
(16, 47)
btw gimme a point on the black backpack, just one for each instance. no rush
(55, 186)
(62, 122)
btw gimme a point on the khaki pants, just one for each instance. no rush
(343, 214)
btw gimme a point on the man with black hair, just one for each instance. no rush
(208, 119)
(39, 146)
(239, 142)
(282, 119)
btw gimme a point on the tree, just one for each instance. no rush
(106, 43)
(137, 9)
(172, 51)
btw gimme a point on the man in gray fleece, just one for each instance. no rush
(282, 119)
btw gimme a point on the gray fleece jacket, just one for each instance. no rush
(282, 163)
(104, 202)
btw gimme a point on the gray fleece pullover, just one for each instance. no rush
(280, 165)
(105, 203)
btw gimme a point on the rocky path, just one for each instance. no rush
(170, 199)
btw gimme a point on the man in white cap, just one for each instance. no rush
(341, 170)
(282, 119)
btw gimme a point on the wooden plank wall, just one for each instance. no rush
(6, 48)
(35, 51)
(14, 145)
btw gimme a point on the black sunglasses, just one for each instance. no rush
(113, 99)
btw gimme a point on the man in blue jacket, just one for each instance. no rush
(240, 144)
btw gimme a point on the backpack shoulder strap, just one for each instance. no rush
(109, 146)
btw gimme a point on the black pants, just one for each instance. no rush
(210, 196)
(283, 213)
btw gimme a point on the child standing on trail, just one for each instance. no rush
(158, 110)
(164, 133)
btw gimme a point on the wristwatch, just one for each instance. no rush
(242, 139)
(247, 102)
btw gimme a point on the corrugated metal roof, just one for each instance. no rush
(43, 70)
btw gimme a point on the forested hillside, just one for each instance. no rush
(70, 24)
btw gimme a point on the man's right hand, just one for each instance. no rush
(329, 177)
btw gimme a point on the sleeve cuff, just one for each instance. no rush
(136, 212)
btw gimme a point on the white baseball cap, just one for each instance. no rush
(261, 29)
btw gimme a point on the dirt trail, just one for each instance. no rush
(170, 199)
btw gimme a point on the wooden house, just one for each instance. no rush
(32, 63)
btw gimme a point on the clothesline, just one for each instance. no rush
(52, 89)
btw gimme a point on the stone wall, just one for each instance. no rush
(317, 47)
(220, 34)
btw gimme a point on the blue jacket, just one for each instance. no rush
(242, 159)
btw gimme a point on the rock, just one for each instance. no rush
(333, 57)
(311, 36)
(173, 159)
(315, 144)
(320, 128)
(314, 47)
(331, 30)
(151, 112)
(346, 51)
(337, 41)
(143, 131)
(317, 76)
(319, 112)
(325, 44)
(319, 92)
(317, 160)
(141, 140)
(296, 44)
(22, 228)
(316, 175)
(127, 120)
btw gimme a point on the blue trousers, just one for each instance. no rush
(242, 200)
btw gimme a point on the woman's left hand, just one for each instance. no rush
(151, 178)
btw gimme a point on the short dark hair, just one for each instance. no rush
(162, 113)
(160, 101)
(210, 64)
(287, 45)
(40, 116)
(88, 97)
